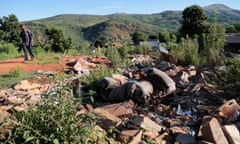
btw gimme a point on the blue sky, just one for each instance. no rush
(36, 9)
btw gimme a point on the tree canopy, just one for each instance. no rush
(139, 36)
(194, 21)
(57, 40)
(9, 29)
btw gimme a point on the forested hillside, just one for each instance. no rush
(87, 28)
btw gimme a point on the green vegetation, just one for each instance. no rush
(57, 41)
(194, 21)
(8, 51)
(86, 29)
(55, 120)
(14, 76)
(228, 79)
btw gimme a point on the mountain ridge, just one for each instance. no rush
(85, 28)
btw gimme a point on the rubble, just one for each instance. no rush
(161, 102)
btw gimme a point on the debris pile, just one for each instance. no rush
(166, 103)
(157, 103)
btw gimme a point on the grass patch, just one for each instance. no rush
(48, 59)
(14, 76)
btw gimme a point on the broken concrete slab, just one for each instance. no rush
(147, 124)
(25, 85)
(120, 109)
(211, 131)
(109, 120)
(232, 133)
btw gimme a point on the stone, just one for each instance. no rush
(120, 109)
(180, 129)
(211, 131)
(232, 133)
(147, 124)
(109, 120)
(25, 85)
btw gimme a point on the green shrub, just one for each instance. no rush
(54, 121)
(8, 50)
(187, 52)
(228, 79)
(114, 57)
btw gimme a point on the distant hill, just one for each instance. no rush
(87, 28)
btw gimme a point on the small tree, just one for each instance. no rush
(57, 40)
(164, 36)
(139, 36)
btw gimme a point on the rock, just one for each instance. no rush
(232, 133)
(180, 129)
(25, 85)
(211, 131)
(147, 124)
(120, 109)
(109, 120)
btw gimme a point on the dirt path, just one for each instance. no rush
(11, 64)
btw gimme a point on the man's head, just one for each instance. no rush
(22, 26)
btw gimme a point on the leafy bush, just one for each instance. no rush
(114, 56)
(7, 50)
(228, 79)
(54, 122)
(187, 52)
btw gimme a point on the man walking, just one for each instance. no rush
(27, 42)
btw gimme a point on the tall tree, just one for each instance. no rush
(194, 21)
(9, 29)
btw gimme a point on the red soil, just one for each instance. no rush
(11, 64)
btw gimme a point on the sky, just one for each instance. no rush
(27, 10)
